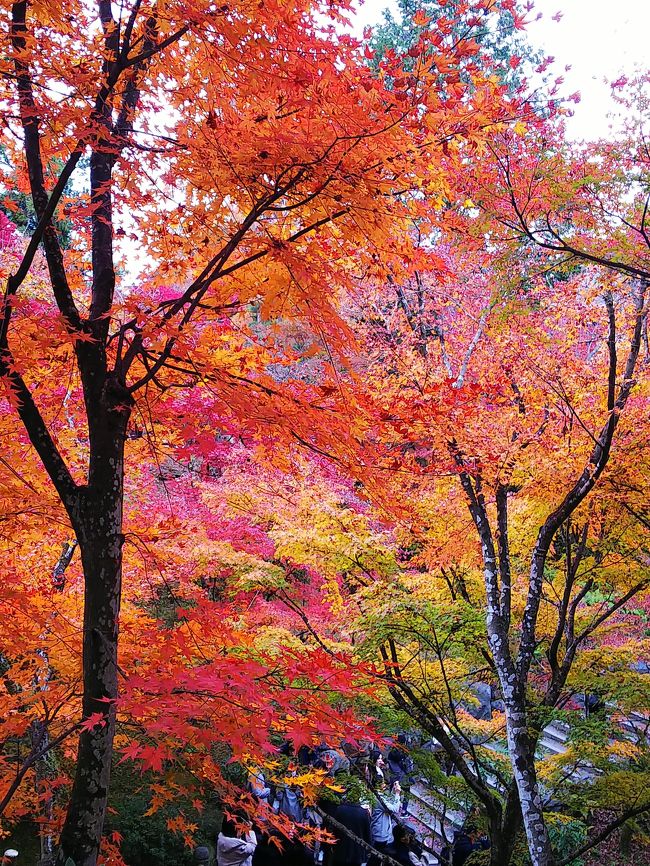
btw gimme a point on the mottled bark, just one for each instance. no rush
(522, 758)
(513, 653)
(513, 685)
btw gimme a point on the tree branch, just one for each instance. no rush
(39, 434)
(33, 757)
(604, 834)
(43, 206)
(580, 490)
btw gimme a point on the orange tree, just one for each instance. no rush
(246, 164)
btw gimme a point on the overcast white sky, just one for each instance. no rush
(597, 38)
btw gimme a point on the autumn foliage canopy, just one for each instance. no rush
(328, 372)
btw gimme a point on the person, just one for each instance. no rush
(384, 815)
(377, 771)
(346, 851)
(594, 706)
(288, 800)
(314, 819)
(399, 762)
(400, 767)
(257, 785)
(404, 847)
(465, 844)
(233, 849)
(331, 760)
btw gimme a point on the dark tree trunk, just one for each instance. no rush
(501, 849)
(504, 831)
(99, 531)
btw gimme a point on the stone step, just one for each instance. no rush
(428, 838)
(558, 729)
(436, 824)
(637, 722)
(549, 746)
(586, 774)
(427, 808)
(434, 801)
(440, 827)
(553, 739)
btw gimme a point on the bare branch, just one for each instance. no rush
(590, 474)
(604, 833)
(39, 434)
(470, 349)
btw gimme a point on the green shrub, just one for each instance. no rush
(566, 835)
(146, 841)
(478, 858)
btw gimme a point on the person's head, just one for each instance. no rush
(401, 739)
(471, 831)
(229, 827)
(402, 834)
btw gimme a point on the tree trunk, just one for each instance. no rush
(99, 532)
(522, 758)
(504, 831)
(40, 739)
(501, 848)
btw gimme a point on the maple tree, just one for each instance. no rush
(513, 384)
(271, 248)
(416, 590)
(420, 598)
(250, 167)
(510, 379)
(206, 659)
(501, 34)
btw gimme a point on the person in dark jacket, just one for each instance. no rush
(267, 853)
(346, 851)
(404, 847)
(594, 706)
(400, 764)
(290, 853)
(464, 845)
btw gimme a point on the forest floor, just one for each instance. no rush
(613, 853)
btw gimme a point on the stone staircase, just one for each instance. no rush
(636, 726)
(436, 821)
(428, 808)
(553, 740)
